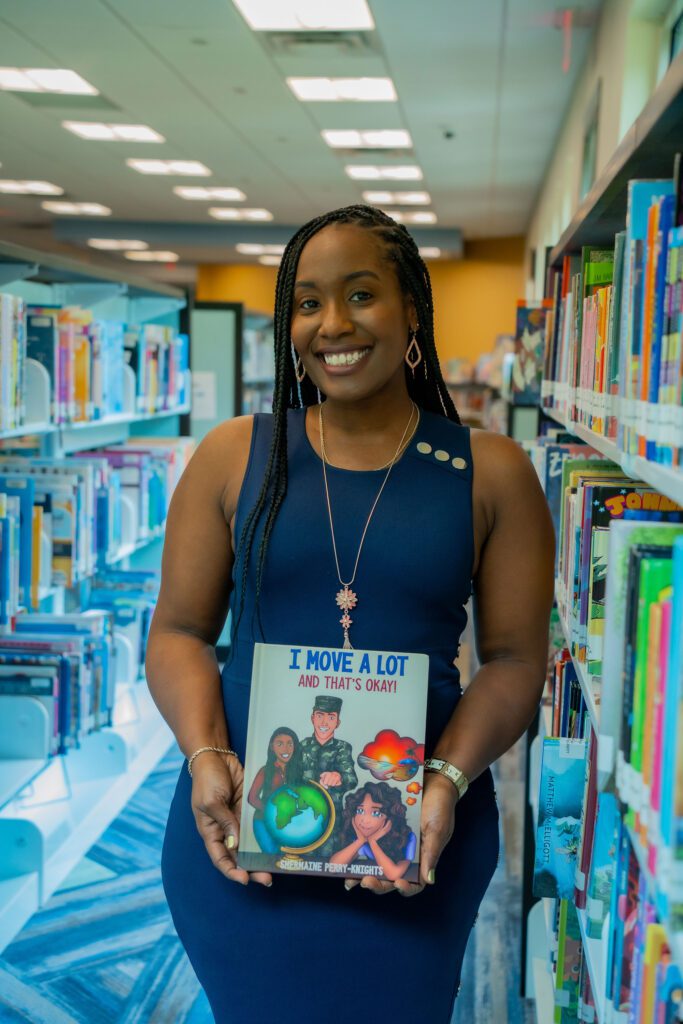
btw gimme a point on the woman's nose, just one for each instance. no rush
(335, 320)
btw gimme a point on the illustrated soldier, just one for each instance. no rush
(327, 760)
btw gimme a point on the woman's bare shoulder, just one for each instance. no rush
(221, 458)
(502, 471)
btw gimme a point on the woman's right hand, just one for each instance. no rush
(217, 781)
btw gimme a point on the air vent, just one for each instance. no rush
(64, 102)
(323, 44)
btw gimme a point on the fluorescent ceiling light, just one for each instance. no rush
(372, 172)
(382, 138)
(227, 195)
(231, 213)
(340, 90)
(306, 15)
(112, 132)
(58, 80)
(430, 252)
(270, 261)
(412, 217)
(256, 249)
(30, 188)
(402, 198)
(116, 244)
(190, 167)
(90, 209)
(150, 256)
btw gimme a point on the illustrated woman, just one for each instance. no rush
(360, 512)
(283, 765)
(375, 829)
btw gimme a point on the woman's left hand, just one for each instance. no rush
(439, 798)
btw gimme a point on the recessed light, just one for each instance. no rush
(90, 209)
(227, 195)
(430, 252)
(306, 15)
(117, 244)
(403, 198)
(30, 188)
(341, 90)
(151, 256)
(189, 167)
(96, 131)
(270, 261)
(58, 80)
(372, 172)
(230, 213)
(256, 249)
(381, 138)
(412, 217)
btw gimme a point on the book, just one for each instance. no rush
(558, 830)
(334, 762)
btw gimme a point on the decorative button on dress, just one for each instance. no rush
(307, 951)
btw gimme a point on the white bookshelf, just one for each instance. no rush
(53, 810)
(590, 685)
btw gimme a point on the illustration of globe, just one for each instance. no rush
(299, 818)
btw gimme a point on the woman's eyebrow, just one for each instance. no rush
(349, 277)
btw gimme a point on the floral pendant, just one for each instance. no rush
(346, 600)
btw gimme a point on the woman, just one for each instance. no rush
(379, 499)
(283, 764)
(375, 829)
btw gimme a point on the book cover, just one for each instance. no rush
(559, 816)
(333, 767)
(603, 860)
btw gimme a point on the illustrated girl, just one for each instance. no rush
(283, 766)
(374, 828)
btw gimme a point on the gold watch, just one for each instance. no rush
(441, 767)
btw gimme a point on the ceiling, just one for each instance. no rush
(480, 87)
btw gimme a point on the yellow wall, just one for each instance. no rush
(474, 298)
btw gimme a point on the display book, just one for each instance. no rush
(613, 354)
(334, 763)
(84, 358)
(629, 816)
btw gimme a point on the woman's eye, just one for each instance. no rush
(359, 810)
(307, 304)
(361, 296)
(377, 814)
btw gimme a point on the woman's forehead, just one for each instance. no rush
(342, 243)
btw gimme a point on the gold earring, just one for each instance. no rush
(413, 356)
(299, 370)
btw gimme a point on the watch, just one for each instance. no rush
(441, 767)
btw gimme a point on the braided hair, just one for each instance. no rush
(427, 389)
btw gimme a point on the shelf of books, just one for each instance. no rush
(93, 378)
(606, 771)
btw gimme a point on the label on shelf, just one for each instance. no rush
(605, 754)
(561, 997)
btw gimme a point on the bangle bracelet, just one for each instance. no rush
(215, 750)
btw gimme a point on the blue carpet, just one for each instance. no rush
(105, 950)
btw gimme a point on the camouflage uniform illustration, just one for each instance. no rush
(327, 760)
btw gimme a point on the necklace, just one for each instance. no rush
(346, 598)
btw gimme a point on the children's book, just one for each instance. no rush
(333, 772)
(601, 877)
(558, 831)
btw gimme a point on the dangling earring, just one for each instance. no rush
(413, 356)
(299, 370)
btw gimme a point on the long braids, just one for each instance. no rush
(427, 388)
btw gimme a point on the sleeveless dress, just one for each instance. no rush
(306, 950)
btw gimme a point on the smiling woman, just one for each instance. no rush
(363, 476)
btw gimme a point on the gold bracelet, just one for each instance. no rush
(215, 750)
(456, 776)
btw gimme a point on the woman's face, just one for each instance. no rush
(369, 817)
(283, 747)
(350, 319)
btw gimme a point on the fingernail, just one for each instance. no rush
(348, 886)
(431, 876)
(230, 842)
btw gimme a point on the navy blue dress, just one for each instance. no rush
(305, 950)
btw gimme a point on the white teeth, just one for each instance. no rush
(344, 358)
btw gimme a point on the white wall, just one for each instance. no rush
(628, 56)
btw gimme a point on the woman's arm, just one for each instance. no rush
(348, 853)
(513, 596)
(392, 869)
(257, 785)
(181, 666)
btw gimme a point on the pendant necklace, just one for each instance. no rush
(346, 598)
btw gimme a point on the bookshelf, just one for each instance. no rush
(53, 809)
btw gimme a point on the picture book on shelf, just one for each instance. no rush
(333, 771)
(558, 832)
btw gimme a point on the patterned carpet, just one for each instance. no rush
(104, 950)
